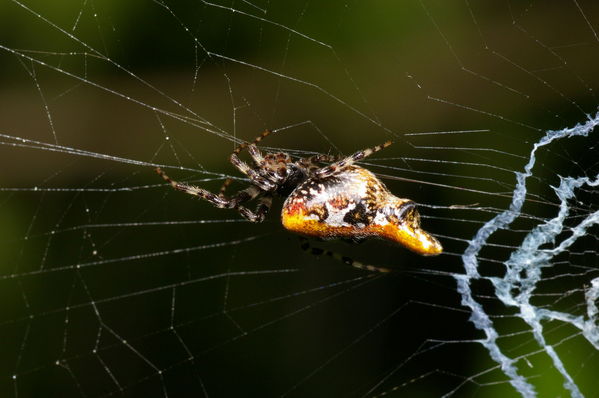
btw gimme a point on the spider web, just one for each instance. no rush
(113, 284)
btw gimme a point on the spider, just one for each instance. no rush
(339, 200)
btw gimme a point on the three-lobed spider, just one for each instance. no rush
(341, 200)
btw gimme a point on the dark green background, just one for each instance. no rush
(346, 75)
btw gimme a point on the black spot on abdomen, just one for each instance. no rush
(359, 215)
(321, 212)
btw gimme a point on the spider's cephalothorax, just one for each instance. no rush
(340, 200)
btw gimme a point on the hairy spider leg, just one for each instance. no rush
(260, 162)
(262, 208)
(223, 188)
(258, 159)
(262, 182)
(222, 202)
(256, 155)
(265, 168)
(311, 163)
(306, 246)
(240, 147)
(340, 165)
(237, 150)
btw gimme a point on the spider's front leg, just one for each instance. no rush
(263, 183)
(340, 165)
(265, 167)
(223, 202)
(262, 209)
(256, 155)
(237, 150)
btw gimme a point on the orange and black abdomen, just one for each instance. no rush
(355, 204)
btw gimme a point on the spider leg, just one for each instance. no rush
(266, 179)
(311, 163)
(262, 182)
(216, 200)
(256, 155)
(322, 158)
(223, 188)
(240, 147)
(221, 201)
(306, 246)
(340, 165)
(258, 160)
(262, 209)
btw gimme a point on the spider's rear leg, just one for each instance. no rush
(306, 246)
(340, 165)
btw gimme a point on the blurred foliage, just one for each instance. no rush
(132, 31)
